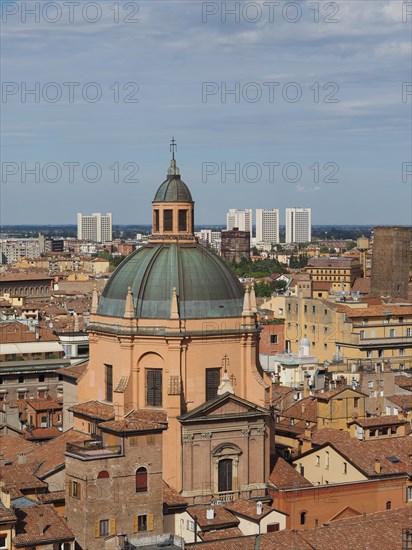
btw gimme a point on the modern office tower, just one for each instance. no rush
(267, 226)
(242, 219)
(298, 225)
(390, 261)
(97, 227)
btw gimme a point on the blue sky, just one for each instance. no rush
(358, 132)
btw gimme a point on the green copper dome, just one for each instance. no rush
(205, 286)
(173, 190)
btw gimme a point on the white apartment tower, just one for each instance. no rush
(96, 228)
(267, 226)
(298, 225)
(242, 219)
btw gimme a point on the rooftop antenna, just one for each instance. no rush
(173, 147)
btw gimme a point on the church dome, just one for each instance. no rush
(205, 286)
(173, 189)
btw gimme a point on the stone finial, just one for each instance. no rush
(129, 306)
(225, 385)
(95, 299)
(246, 303)
(253, 305)
(174, 308)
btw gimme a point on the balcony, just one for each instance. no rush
(93, 450)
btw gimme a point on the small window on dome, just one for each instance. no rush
(156, 221)
(182, 220)
(168, 220)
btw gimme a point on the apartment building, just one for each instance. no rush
(298, 225)
(96, 227)
(267, 226)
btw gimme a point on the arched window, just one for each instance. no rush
(141, 480)
(103, 475)
(388, 505)
(302, 518)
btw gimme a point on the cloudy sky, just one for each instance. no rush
(272, 104)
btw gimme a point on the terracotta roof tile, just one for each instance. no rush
(49, 498)
(28, 526)
(19, 477)
(221, 534)
(94, 409)
(139, 420)
(46, 404)
(17, 332)
(305, 409)
(247, 508)
(6, 277)
(364, 453)
(13, 445)
(172, 497)
(284, 476)
(222, 517)
(378, 421)
(50, 455)
(6, 515)
(404, 382)
(75, 372)
(42, 433)
(402, 401)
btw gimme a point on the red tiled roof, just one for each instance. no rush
(247, 508)
(305, 409)
(222, 517)
(284, 476)
(50, 455)
(404, 402)
(221, 534)
(29, 518)
(363, 454)
(17, 332)
(6, 515)
(42, 433)
(139, 420)
(94, 409)
(15, 277)
(49, 498)
(75, 372)
(379, 421)
(43, 404)
(404, 382)
(13, 445)
(19, 477)
(172, 497)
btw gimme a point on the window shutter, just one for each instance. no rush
(112, 526)
(405, 493)
(135, 525)
(79, 490)
(97, 529)
(71, 488)
(150, 522)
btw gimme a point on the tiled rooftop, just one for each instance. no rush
(50, 455)
(28, 531)
(284, 476)
(13, 445)
(139, 420)
(75, 372)
(172, 497)
(94, 409)
(222, 517)
(364, 453)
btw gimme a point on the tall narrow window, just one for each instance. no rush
(154, 387)
(156, 221)
(167, 220)
(141, 480)
(225, 475)
(302, 518)
(212, 383)
(182, 220)
(109, 383)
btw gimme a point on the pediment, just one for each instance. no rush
(347, 512)
(224, 406)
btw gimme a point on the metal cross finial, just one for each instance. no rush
(225, 361)
(173, 147)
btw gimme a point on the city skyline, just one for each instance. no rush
(258, 112)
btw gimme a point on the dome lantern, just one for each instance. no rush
(173, 207)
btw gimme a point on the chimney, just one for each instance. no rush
(378, 467)
(21, 458)
(41, 523)
(210, 513)
(259, 508)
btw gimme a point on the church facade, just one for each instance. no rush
(175, 331)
